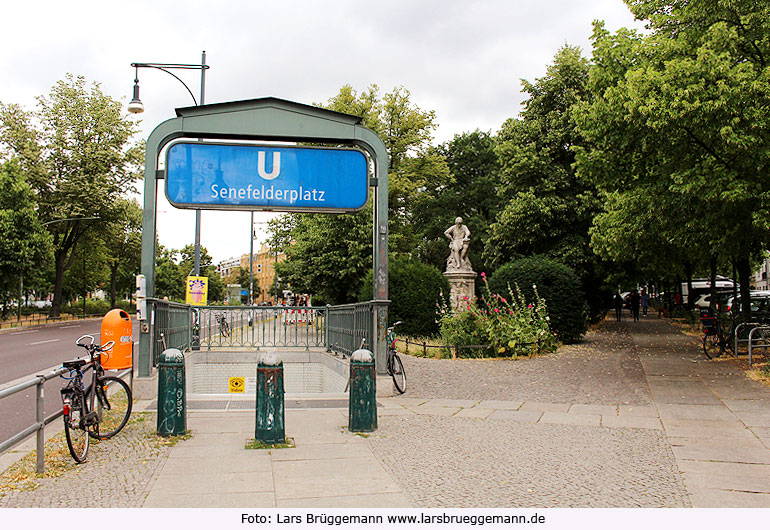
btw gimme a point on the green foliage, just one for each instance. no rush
(547, 207)
(77, 156)
(469, 191)
(93, 307)
(556, 283)
(24, 242)
(679, 116)
(414, 290)
(172, 267)
(329, 255)
(510, 326)
(463, 328)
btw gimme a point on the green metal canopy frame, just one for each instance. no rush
(277, 120)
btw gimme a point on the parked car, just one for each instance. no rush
(704, 300)
(760, 303)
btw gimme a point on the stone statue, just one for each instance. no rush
(459, 237)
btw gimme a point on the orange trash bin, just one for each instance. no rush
(116, 325)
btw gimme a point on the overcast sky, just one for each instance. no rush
(462, 59)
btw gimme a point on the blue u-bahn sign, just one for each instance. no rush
(259, 177)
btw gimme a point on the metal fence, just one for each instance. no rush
(347, 325)
(261, 326)
(40, 419)
(171, 326)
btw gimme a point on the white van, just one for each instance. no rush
(701, 286)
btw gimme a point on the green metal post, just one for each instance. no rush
(172, 406)
(270, 427)
(362, 407)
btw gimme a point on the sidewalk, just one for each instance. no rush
(650, 423)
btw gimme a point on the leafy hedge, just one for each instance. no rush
(414, 289)
(556, 283)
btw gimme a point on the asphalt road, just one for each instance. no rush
(28, 352)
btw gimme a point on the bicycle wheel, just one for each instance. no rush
(397, 373)
(711, 346)
(75, 429)
(115, 399)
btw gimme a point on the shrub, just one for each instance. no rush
(414, 289)
(556, 283)
(464, 329)
(93, 307)
(511, 326)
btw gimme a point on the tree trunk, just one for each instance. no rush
(57, 288)
(688, 268)
(713, 281)
(744, 277)
(113, 286)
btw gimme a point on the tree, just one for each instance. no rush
(123, 242)
(169, 280)
(76, 154)
(89, 270)
(216, 287)
(25, 245)
(684, 109)
(469, 191)
(329, 255)
(547, 207)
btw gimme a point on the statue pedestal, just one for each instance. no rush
(462, 284)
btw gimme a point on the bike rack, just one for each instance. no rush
(737, 329)
(751, 334)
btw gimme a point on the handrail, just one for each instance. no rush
(40, 420)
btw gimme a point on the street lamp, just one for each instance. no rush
(135, 106)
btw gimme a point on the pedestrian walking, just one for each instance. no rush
(645, 302)
(635, 301)
(618, 301)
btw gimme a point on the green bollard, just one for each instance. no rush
(172, 405)
(270, 411)
(362, 407)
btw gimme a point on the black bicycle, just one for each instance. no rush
(393, 361)
(99, 410)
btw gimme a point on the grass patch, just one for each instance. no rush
(22, 476)
(171, 441)
(255, 444)
(423, 347)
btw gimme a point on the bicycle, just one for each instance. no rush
(714, 341)
(111, 396)
(224, 327)
(393, 361)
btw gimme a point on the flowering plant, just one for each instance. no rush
(509, 326)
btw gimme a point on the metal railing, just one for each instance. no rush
(261, 326)
(171, 327)
(347, 325)
(40, 419)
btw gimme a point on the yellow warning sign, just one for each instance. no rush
(237, 384)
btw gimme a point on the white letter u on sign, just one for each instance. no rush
(261, 165)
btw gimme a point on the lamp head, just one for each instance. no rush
(135, 106)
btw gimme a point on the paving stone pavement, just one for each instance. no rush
(603, 369)
(465, 462)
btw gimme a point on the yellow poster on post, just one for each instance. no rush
(196, 290)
